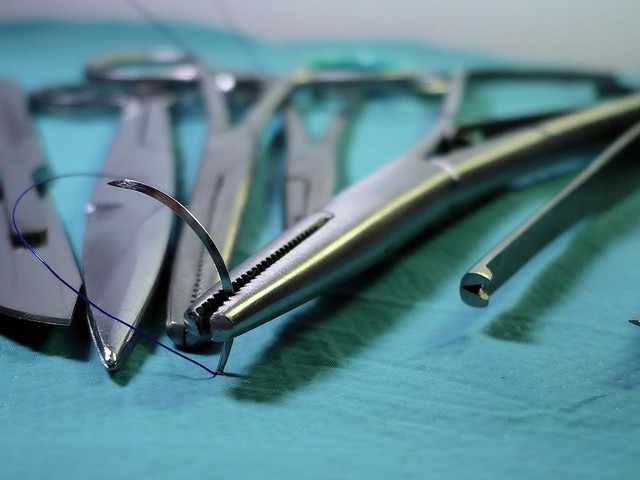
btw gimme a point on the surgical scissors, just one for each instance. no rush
(27, 291)
(225, 171)
(223, 180)
(373, 217)
(126, 237)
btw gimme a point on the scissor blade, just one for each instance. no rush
(127, 235)
(27, 290)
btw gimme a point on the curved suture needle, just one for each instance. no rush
(184, 213)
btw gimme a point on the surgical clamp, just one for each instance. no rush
(377, 215)
(311, 161)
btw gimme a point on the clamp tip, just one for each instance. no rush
(474, 289)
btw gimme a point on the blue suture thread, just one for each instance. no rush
(77, 292)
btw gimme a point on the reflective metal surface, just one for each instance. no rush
(27, 289)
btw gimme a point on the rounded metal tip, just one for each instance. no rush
(473, 289)
(183, 338)
(195, 322)
(221, 328)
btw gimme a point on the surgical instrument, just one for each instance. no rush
(126, 237)
(310, 165)
(220, 193)
(28, 291)
(375, 216)
(223, 179)
(174, 72)
(456, 133)
(311, 161)
(228, 167)
(611, 176)
(204, 236)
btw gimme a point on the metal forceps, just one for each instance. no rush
(226, 167)
(364, 223)
(310, 165)
(222, 184)
(125, 239)
(610, 177)
(613, 175)
(28, 291)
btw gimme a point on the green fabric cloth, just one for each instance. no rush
(387, 376)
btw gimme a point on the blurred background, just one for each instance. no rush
(580, 33)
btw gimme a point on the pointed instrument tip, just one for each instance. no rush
(109, 359)
(126, 183)
(184, 213)
(113, 357)
(113, 349)
(635, 321)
